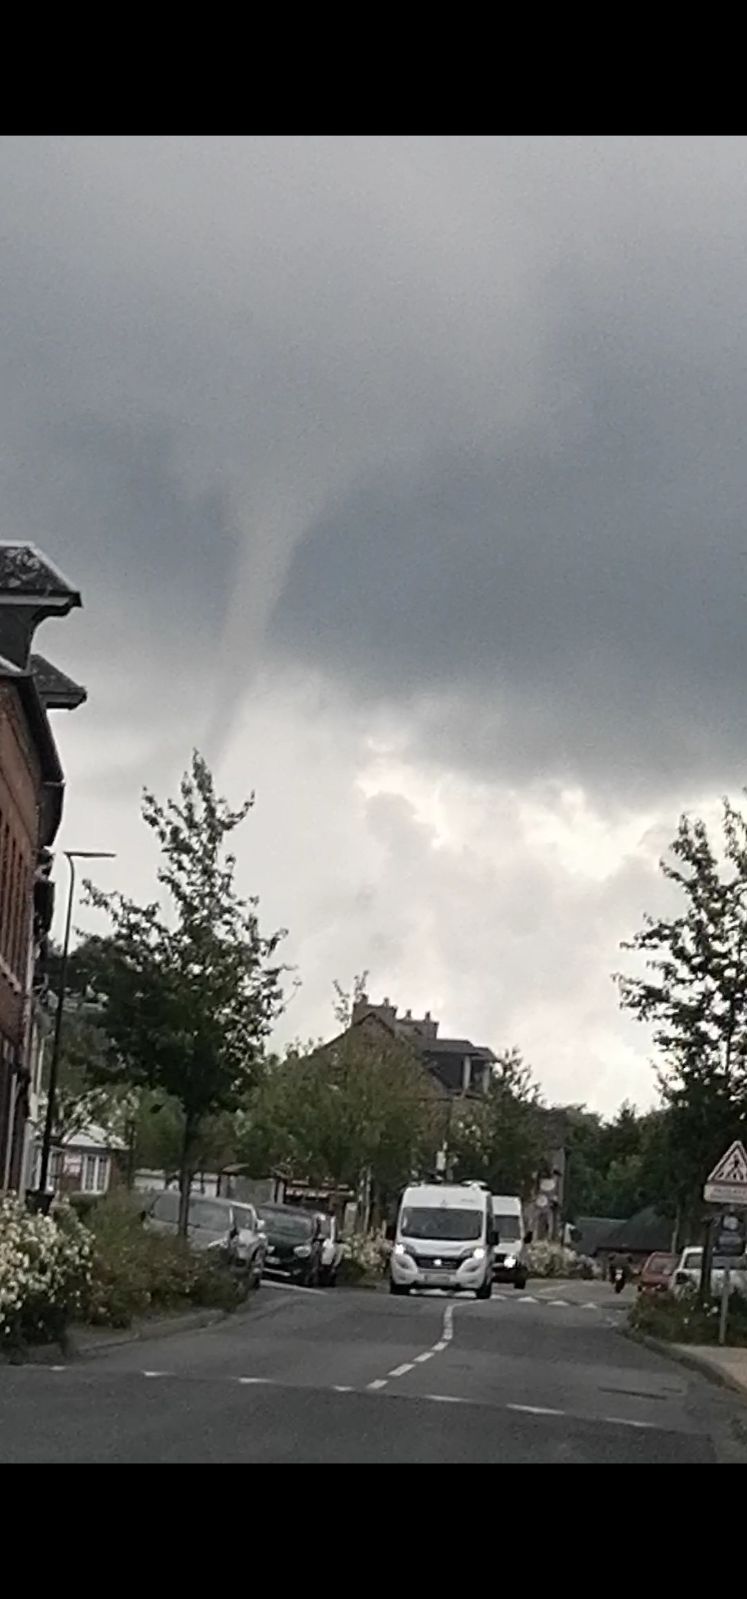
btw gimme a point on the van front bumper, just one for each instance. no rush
(409, 1271)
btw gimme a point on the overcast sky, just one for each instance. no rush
(407, 478)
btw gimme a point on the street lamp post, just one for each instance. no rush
(71, 855)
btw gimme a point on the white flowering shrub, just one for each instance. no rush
(545, 1259)
(45, 1272)
(364, 1258)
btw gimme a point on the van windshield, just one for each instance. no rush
(438, 1222)
(507, 1227)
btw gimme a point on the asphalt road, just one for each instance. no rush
(343, 1376)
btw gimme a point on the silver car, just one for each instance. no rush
(215, 1224)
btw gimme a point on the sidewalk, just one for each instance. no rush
(728, 1366)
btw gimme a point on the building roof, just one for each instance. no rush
(28, 574)
(593, 1232)
(452, 1046)
(645, 1231)
(58, 691)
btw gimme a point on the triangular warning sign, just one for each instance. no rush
(732, 1167)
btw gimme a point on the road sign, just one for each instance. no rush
(729, 1239)
(727, 1184)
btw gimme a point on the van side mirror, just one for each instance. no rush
(528, 1237)
(391, 1229)
(495, 1236)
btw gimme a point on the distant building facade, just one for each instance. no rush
(456, 1064)
(31, 795)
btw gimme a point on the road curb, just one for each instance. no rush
(164, 1327)
(688, 1357)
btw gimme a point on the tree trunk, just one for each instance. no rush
(185, 1175)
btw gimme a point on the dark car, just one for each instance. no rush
(294, 1243)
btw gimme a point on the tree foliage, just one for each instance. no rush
(498, 1138)
(694, 995)
(330, 1113)
(188, 997)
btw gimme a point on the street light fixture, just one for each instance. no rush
(71, 856)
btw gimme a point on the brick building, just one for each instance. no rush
(31, 793)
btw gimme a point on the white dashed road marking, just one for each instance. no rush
(624, 1421)
(251, 1381)
(447, 1399)
(399, 1371)
(378, 1382)
(427, 1355)
(155, 1374)
(537, 1410)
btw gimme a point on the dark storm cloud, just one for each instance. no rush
(469, 414)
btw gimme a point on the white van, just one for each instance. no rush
(443, 1239)
(509, 1264)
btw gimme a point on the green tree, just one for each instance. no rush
(694, 994)
(188, 999)
(363, 1103)
(498, 1139)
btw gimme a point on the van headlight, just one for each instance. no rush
(478, 1253)
(509, 1260)
(401, 1249)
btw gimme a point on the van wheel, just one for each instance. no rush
(486, 1290)
(520, 1282)
(398, 1288)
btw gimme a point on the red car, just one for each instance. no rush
(656, 1273)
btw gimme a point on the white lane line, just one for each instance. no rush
(448, 1332)
(537, 1410)
(342, 1388)
(500, 1296)
(399, 1371)
(156, 1373)
(56, 1368)
(623, 1421)
(558, 1302)
(379, 1382)
(447, 1399)
(588, 1304)
(439, 1348)
(421, 1359)
(251, 1380)
(527, 1299)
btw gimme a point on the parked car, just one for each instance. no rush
(294, 1243)
(215, 1224)
(656, 1273)
(687, 1274)
(332, 1250)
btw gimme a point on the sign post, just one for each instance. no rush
(726, 1239)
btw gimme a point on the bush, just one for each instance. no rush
(45, 1273)
(139, 1273)
(682, 1320)
(545, 1259)
(364, 1260)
